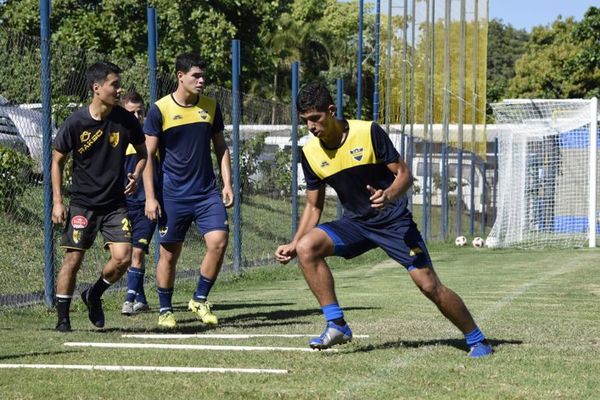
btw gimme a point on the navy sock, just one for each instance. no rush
(141, 294)
(203, 288)
(133, 282)
(96, 291)
(63, 304)
(475, 336)
(333, 312)
(165, 296)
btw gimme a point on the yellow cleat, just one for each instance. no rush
(167, 320)
(203, 312)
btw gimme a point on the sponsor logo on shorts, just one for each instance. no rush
(76, 236)
(79, 222)
(143, 241)
(162, 231)
(225, 223)
(415, 251)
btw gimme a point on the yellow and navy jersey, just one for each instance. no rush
(131, 159)
(98, 149)
(184, 137)
(359, 161)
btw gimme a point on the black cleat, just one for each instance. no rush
(64, 325)
(95, 312)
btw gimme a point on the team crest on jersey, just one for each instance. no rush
(113, 139)
(79, 222)
(324, 164)
(162, 231)
(357, 153)
(203, 114)
(76, 236)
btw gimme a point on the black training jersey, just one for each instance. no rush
(98, 149)
(360, 161)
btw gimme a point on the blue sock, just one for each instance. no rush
(165, 296)
(475, 336)
(203, 288)
(133, 281)
(140, 296)
(333, 312)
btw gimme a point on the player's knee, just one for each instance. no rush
(217, 246)
(306, 249)
(122, 260)
(431, 288)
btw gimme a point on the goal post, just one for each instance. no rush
(547, 193)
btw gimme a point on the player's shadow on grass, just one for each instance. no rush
(414, 344)
(233, 306)
(258, 319)
(37, 353)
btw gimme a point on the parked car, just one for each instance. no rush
(29, 126)
(9, 134)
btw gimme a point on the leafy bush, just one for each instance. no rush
(14, 170)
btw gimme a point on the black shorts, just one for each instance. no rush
(83, 225)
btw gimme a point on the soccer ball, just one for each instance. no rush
(460, 241)
(478, 242)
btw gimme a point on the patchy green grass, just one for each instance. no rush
(540, 310)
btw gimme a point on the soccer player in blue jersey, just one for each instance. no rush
(97, 136)
(358, 160)
(182, 126)
(142, 228)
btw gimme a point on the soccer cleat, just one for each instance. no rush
(64, 325)
(127, 308)
(95, 312)
(167, 320)
(481, 349)
(333, 334)
(138, 307)
(203, 312)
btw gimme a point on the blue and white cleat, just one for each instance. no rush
(333, 334)
(481, 349)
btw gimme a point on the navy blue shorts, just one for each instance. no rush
(208, 213)
(400, 239)
(142, 227)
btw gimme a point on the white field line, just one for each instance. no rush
(188, 347)
(141, 368)
(220, 336)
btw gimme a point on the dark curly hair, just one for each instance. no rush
(314, 96)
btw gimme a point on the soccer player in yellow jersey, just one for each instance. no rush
(358, 160)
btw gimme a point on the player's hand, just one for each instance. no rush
(59, 213)
(152, 211)
(285, 253)
(132, 184)
(379, 198)
(228, 196)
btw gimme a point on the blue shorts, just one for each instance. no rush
(142, 227)
(208, 213)
(400, 239)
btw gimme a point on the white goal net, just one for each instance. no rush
(548, 174)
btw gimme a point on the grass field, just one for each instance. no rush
(540, 310)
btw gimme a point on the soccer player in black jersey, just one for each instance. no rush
(97, 136)
(358, 160)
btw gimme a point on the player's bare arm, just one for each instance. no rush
(402, 182)
(315, 200)
(136, 175)
(152, 206)
(224, 161)
(59, 212)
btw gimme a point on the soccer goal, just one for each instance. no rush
(548, 190)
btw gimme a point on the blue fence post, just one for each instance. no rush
(360, 56)
(376, 75)
(295, 80)
(236, 114)
(152, 39)
(339, 115)
(47, 153)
